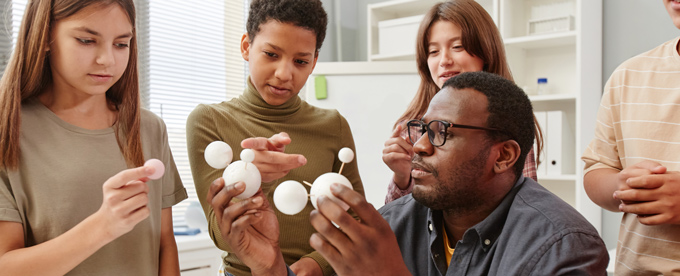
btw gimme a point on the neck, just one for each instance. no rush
(85, 111)
(456, 222)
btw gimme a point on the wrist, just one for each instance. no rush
(98, 228)
(402, 181)
(278, 268)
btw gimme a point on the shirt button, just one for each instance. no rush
(430, 226)
(487, 242)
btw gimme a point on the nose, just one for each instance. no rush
(423, 147)
(105, 56)
(445, 58)
(284, 71)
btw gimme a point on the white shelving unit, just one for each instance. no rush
(568, 53)
(391, 12)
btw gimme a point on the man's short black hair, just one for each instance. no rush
(308, 14)
(509, 109)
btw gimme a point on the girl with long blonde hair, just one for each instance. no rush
(75, 197)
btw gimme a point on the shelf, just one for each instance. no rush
(542, 41)
(379, 57)
(402, 8)
(552, 98)
(563, 177)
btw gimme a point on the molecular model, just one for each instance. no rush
(290, 197)
(218, 155)
(158, 166)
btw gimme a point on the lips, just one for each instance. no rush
(420, 170)
(448, 74)
(278, 90)
(101, 77)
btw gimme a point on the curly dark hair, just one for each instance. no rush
(308, 14)
(509, 109)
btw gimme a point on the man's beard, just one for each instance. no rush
(459, 192)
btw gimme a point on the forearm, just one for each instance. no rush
(600, 185)
(169, 260)
(403, 182)
(59, 255)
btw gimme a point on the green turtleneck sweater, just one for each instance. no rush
(316, 133)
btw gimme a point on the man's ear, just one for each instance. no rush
(508, 153)
(245, 46)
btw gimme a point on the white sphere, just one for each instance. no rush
(346, 155)
(242, 171)
(158, 166)
(218, 154)
(322, 186)
(247, 155)
(290, 197)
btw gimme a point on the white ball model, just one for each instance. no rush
(290, 197)
(346, 155)
(246, 172)
(158, 166)
(218, 154)
(322, 186)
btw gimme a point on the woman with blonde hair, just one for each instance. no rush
(455, 36)
(75, 196)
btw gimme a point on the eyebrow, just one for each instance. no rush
(277, 48)
(93, 32)
(453, 39)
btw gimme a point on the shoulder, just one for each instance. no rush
(542, 223)
(400, 210)
(542, 206)
(320, 113)
(649, 60)
(150, 121)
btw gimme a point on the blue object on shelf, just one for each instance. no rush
(186, 231)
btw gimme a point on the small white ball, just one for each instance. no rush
(290, 197)
(242, 171)
(247, 155)
(346, 155)
(322, 186)
(218, 154)
(158, 165)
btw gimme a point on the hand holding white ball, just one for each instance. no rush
(290, 197)
(219, 154)
(159, 168)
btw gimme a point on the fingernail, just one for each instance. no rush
(149, 169)
(302, 160)
(335, 187)
(321, 198)
(615, 195)
(257, 200)
(238, 185)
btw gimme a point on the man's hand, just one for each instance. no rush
(249, 227)
(270, 159)
(365, 247)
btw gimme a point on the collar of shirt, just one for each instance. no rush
(485, 233)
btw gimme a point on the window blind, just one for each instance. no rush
(189, 54)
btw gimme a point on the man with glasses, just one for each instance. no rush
(471, 211)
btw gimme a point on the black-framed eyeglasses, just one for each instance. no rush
(436, 130)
